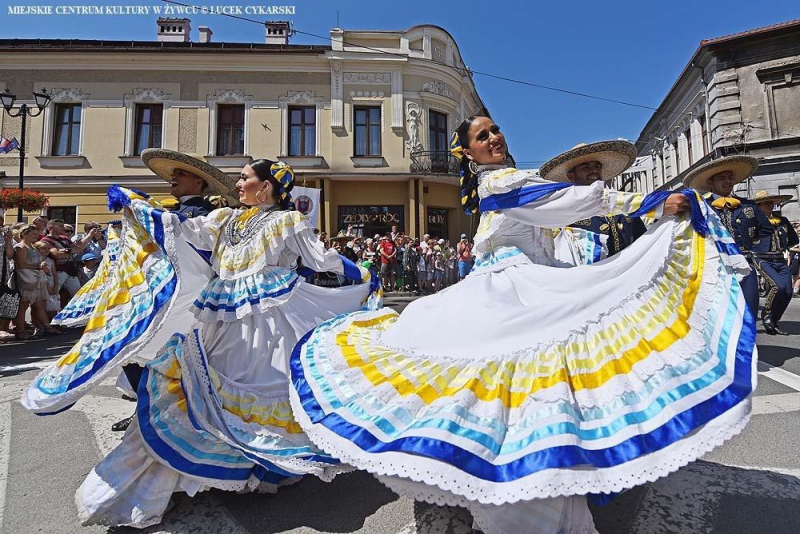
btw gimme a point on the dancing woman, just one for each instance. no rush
(212, 408)
(550, 383)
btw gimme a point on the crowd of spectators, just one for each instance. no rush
(47, 263)
(404, 263)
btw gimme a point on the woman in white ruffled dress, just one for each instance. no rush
(212, 408)
(542, 384)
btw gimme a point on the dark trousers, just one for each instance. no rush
(750, 289)
(778, 283)
(133, 372)
(411, 280)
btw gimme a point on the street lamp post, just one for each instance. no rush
(8, 99)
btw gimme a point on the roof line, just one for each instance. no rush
(707, 43)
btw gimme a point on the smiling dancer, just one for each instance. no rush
(212, 408)
(591, 379)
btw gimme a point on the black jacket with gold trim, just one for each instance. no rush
(620, 229)
(745, 222)
(782, 239)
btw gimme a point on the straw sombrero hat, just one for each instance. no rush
(741, 166)
(341, 237)
(762, 197)
(616, 156)
(162, 162)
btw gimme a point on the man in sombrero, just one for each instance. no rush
(770, 259)
(200, 189)
(589, 163)
(746, 223)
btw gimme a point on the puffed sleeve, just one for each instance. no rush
(315, 256)
(564, 206)
(203, 232)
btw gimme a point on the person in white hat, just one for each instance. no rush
(595, 162)
(770, 258)
(741, 216)
(191, 181)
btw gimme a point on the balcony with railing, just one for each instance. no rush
(434, 162)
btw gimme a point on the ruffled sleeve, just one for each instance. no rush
(315, 256)
(203, 232)
(526, 197)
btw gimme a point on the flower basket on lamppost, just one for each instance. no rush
(7, 99)
(23, 199)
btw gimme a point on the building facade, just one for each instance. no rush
(637, 178)
(738, 94)
(366, 119)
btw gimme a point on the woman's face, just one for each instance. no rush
(487, 145)
(32, 236)
(249, 186)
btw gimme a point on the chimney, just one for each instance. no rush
(205, 34)
(278, 31)
(173, 30)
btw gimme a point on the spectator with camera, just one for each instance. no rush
(62, 250)
(93, 238)
(464, 254)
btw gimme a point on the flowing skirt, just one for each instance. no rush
(528, 382)
(213, 412)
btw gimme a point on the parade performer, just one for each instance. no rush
(190, 177)
(585, 164)
(770, 260)
(212, 408)
(548, 383)
(742, 218)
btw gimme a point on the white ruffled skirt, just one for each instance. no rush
(537, 385)
(213, 412)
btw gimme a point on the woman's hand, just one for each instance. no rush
(676, 203)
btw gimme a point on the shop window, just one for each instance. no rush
(370, 220)
(438, 223)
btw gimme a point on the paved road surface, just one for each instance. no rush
(749, 486)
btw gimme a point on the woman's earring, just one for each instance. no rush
(262, 190)
(473, 167)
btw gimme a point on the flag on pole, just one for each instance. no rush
(7, 146)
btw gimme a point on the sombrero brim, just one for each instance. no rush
(741, 166)
(615, 156)
(163, 162)
(774, 199)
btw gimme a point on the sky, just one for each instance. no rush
(621, 50)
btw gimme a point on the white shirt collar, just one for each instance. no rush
(184, 198)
